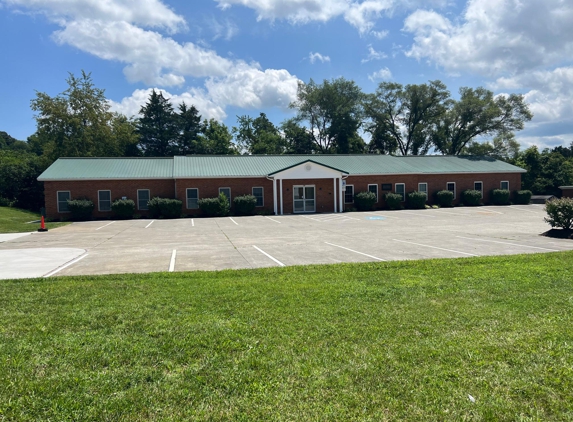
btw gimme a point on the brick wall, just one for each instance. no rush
(567, 193)
(89, 189)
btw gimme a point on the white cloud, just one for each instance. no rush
(363, 16)
(225, 29)
(313, 57)
(374, 55)
(148, 13)
(495, 37)
(383, 74)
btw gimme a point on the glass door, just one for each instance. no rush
(303, 199)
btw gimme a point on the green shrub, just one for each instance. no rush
(471, 197)
(560, 213)
(123, 209)
(215, 207)
(5, 202)
(393, 201)
(365, 201)
(80, 209)
(445, 198)
(500, 197)
(245, 204)
(416, 200)
(164, 208)
(522, 197)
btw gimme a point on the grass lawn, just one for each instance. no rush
(14, 220)
(381, 341)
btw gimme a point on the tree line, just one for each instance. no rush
(334, 116)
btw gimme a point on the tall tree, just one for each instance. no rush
(157, 127)
(504, 147)
(258, 135)
(333, 111)
(79, 123)
(403, 119)
(478, 113)
(189, 127)
(297, 138)
(215, 139)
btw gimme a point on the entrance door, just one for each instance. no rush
(303, 199)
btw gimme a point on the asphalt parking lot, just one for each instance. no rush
(138, 246)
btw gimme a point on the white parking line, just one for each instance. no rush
(233, 221)
(73, 261)
(192, 222)
(276, 221)
(172, 262)
(417, 213)
(150, 224)
(487, 210)
(105, 225)
(507, 243)
(435, 247)
(382, 215)
(351, 250)
(264, 253)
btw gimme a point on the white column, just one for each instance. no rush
(275, 195)
(334, 192)
(341, 197)
(281, 187)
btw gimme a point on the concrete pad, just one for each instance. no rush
(5, 237)
(30, 263)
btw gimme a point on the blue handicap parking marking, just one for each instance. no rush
(375, 218)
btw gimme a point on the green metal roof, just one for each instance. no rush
(109, 168)
(197, 166)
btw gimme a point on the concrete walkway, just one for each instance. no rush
(30, 263)
(5, 237)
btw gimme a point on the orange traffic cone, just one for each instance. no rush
(42, 226)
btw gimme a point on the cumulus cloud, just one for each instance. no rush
(313, 57)
(495, 37)
(112, 30)
(383, 74)
(374, 55)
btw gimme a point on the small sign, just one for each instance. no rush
(344, 185)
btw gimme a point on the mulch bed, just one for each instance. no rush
(559, 233)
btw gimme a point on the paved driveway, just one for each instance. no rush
(138, 246)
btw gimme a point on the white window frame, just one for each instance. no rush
(262, 195)
(138, 200)
(404, 191)
(481, 190)
(225, 187)
(376, 186)
(502, 182)
(455, 188)
(58, 199)
(347, 186)
(99, 200)
(425, 191)
(187, 198)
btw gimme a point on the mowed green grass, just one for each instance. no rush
(15, 220)
(382, 341)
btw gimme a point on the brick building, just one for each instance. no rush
(282, 184)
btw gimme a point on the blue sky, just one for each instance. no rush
(235, 57)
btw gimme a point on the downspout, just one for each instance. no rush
(275, 207)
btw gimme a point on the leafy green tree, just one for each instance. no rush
(504, 147)
(546, 171)
(18, 173)
(478, 113)
(333, 112)
(189, 128)
(403, 119)
(297, 138)
(13, 144)
(258, 135)
(215, 138)
(79, 123)
(157, 127)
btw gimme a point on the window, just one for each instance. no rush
(226, 192)
(192, 198)
(423, 187)
(349, 194)
(451, 186)
(504, 185)
(479, 186)
(142, 199)
(374, 190)
(258, 193)
(401, 190)
(387, 187)
(104, 200)
(63, 197)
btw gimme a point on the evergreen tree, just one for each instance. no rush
(189, 129)
(157, 127)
